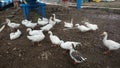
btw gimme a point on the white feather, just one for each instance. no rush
(34, 32)
(36, 38)
(47, 27)
(29, 24)
(68, 45)
(43, 21)
(1, 29)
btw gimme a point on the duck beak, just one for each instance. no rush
(102, 34)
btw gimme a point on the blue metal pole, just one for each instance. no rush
(79, 2)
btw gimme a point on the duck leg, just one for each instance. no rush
(75, 63)
(11, 29)
(107, 52)
(33, 43)
(39, 44)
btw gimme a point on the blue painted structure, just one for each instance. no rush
(79, 3)
(4, 3)
(32, 4)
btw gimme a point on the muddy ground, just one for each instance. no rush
(20, 53)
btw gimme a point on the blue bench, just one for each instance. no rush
(38, 6)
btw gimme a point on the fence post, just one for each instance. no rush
(79, 2)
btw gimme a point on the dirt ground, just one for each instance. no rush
(20, 53)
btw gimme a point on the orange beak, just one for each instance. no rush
(102, 34)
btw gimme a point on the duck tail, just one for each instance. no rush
(29, 37)
(79, 43)
(73, 47)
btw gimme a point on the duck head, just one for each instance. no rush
(28, 29)
(86, 23)
(53, 14)
(61, 41)
(49, 32)
(76, 25)
(7, 20)
(104, 33)
(39, 19)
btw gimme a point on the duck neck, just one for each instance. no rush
(78, 26)
(8, 21)
(105, 37)
(71, 20)
(51, 19)
(51, 33)
(29, 29)
(54, 16)
(72, 50)
(39, 19)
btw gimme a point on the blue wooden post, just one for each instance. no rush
(41, 9)
(32, 4)
(79, 2)
(25, 10)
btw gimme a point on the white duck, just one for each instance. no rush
(55, 19)
(36, 38)
(110, 44)
(54, 39)
(68, 45)
(68, 25)
(25, 21)
(1, 29)
(12, 25)
(47, 27)
(76, 56)
(43, 21)
(52, 22)
(34, 32)
(15, 35)
(91, 26)
(29, 24)
(82, 28)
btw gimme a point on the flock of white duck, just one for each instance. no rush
(47, 24)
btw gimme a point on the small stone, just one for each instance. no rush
(14, 49)
(9, 43)
(22, 58)
(20, 55)
(7, 52)
(38, 57)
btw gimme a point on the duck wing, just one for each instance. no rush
(76, 55)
